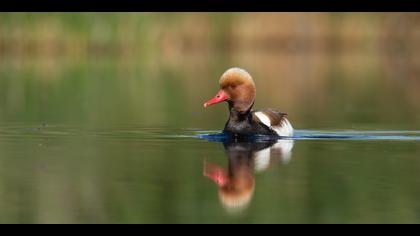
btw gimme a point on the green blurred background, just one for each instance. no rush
(88, 102)
(324, 69)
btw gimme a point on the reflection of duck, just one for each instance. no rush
(236, 185)
(238, 88)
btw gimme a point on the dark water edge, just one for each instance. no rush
(394, 135)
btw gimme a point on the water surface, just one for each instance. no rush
(132, 174)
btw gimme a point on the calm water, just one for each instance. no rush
(134, 175)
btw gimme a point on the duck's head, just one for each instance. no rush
(237, 88)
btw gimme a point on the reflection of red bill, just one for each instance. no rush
(215, 173)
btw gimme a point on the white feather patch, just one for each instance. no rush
(285, 129)
(263, 118)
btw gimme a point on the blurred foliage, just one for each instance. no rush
(157, 68)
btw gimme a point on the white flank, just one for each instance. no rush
(263, 118)
(285, 129)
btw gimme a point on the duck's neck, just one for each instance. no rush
(238, 116)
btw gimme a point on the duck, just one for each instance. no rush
(237, 88)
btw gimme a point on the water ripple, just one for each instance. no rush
(18, 131)
(391, 135)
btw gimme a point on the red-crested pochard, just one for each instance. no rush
(238, 89)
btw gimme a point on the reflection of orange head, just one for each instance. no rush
(236, 195)
(236, 188)
(237, 183)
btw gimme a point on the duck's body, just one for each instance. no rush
(258, 122)
(238, 89)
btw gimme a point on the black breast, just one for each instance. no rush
(245, 125)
